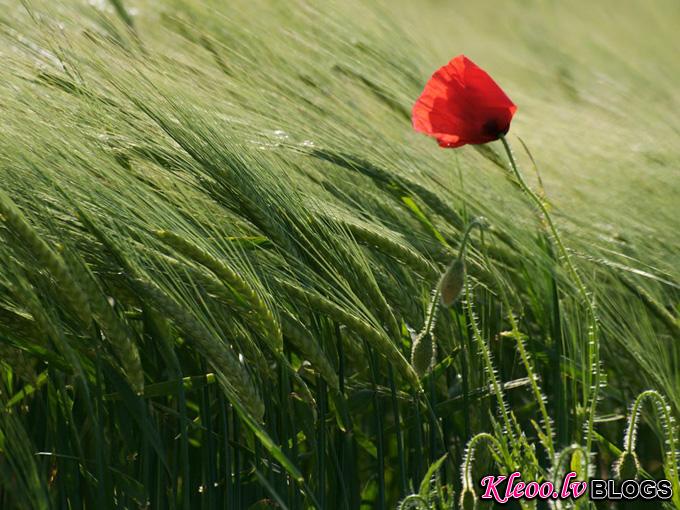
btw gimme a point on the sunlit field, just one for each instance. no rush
(222, 246)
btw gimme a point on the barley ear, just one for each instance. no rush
(233, 280)
(390, 247)
(377, 339)
(232, 375)
(118, 334)
(302, 339)
(46, 256)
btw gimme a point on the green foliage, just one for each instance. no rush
(220, 235)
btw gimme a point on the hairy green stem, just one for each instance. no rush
(475, 222)
(470, 455)
(593, 329)
(488, 362)
(667, 422)
(538, 395)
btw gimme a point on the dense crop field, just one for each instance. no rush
(221, 240)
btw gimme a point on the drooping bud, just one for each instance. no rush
(468, 499)
(627, 467)
(452, 282)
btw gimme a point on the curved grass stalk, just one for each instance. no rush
(562, 456)
(556, 474)
(373, 292)
(80, 290)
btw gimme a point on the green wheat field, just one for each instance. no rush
(220, 240)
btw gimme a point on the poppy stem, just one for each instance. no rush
(475, 222)
(594, 381)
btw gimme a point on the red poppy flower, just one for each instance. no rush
(461, 104)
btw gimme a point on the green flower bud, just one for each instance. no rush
(627, 467)
(577, 464)
(452, 281)
(423, 353)
(468, 499)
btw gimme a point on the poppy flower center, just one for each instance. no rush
(493, 129)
